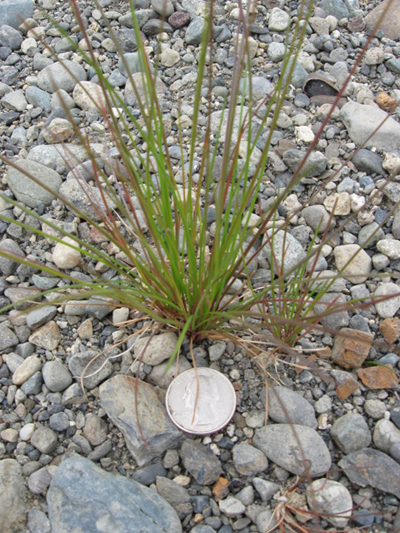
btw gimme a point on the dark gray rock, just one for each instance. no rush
(148, 432)
(200, 462)
(315, 165)
(156, 26)
(351, 433)
(148, 474)
(372, 467)
(82, 497)
(297, 449)
(12, 496)
(175, 495)
(289, 407)
(393, 64)
(367, 161)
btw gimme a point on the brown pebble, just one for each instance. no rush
(221, 489)
(390, 329)
(346, 389)
(386, 102)
(378, 377)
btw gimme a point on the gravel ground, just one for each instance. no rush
(75, 463)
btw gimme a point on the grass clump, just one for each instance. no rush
(184, 230)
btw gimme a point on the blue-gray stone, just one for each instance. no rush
(393, 64)
(337, 8)
(367, 161)
(82, 498)
(38, 98)
(13, 12)
(194, 32)
(33, 385)
(9, 36)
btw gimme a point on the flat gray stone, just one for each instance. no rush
(61, 75)
(26, 190)
(297, 449)
(44, 439)
(148, 431)
(386, 434)
(12, 496)
(38, 317)
(289, 407)
(374, 468)
(82, 497)
(351, 433)
(362, 120)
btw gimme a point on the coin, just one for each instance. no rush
(201, 401)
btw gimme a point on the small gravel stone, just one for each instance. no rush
(330, 497)
(351, 433)
(44, 439)
(56, 376)
(248, 460)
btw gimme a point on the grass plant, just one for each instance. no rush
(168, 263)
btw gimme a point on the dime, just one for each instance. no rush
(201, 401)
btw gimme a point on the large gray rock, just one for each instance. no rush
(362, 120)
(13, 12)
(12, 496)
(82, 497)
(374, 468)
(297, 449)
(28, 191)
(61, 75)
(135, 409)
(289, 407)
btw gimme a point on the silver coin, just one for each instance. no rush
(201, 401)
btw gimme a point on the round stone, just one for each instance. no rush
(64, 256)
